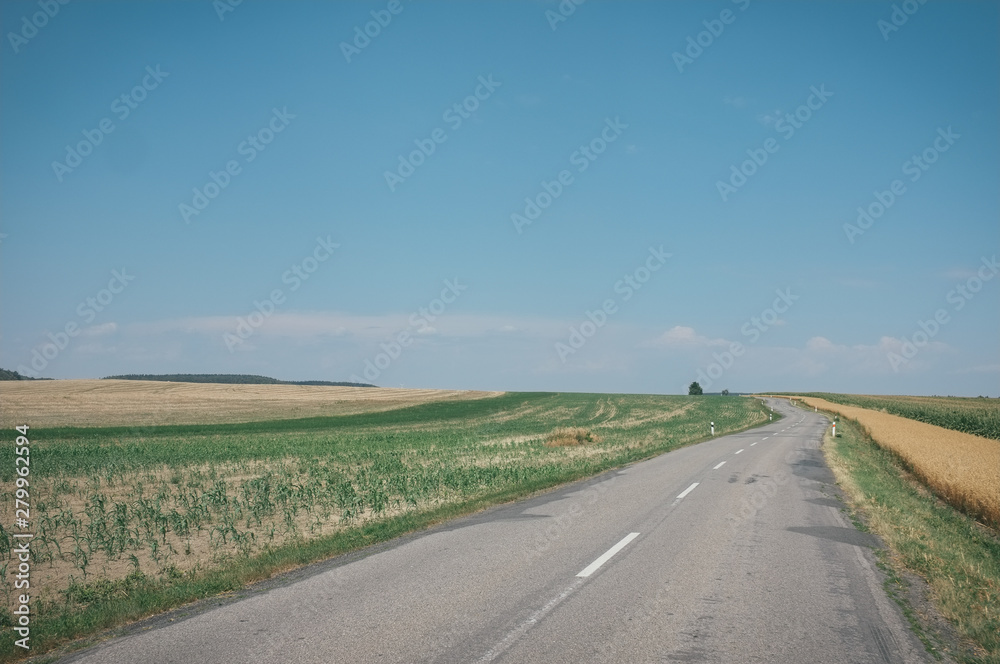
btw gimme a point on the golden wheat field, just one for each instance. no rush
(961, 468)
(108, 403)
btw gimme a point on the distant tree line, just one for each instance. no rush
(7, 374)
(694, 389)
(232, 379)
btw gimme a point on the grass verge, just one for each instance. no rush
(958, 557)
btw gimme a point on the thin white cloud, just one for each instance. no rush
(285, 324)
(319, 325)
(980, 368)
(681, 336)
(770, 117)
(100, 330)
(817, 356)
(958, 273)
(870, 358)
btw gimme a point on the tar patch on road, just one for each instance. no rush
(838, 534)
(826, 502)
(811, 466)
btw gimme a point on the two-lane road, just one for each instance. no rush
(734, 550)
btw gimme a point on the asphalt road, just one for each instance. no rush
(734, 550)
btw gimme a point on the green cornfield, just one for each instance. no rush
(114, 509)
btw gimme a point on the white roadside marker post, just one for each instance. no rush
(834, 429)
(713, 427)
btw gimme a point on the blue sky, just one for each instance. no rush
(646, 143)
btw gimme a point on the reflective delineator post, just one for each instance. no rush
(834, 429)
(713, 427)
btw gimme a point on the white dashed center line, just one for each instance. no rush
(593, 567)
(686, 491)
(738, 451)
(720, 465)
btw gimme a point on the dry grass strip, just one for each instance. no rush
(570, 436)
(103, 403)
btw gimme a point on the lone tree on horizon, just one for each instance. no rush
(694, 389)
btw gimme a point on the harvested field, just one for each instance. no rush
(961, 468)
(108, 403)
